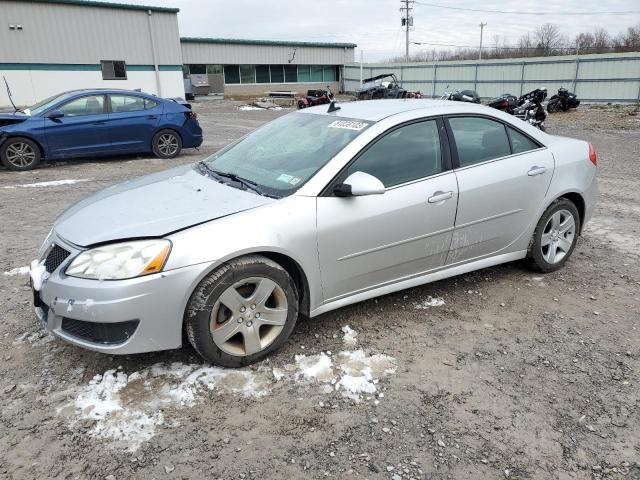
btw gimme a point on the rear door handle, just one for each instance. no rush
(440, 197)
(152, 117)
(536, 171)
(99, 123)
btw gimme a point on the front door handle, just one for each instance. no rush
(152, 117)
(440, 197)
(536, 171)
(99, 123)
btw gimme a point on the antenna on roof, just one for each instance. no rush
(333, 107)
(15, 109)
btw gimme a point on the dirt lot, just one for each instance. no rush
(515, 375)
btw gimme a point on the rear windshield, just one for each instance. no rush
(282, 155)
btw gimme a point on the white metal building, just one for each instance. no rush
(50, 46)
(251, 67)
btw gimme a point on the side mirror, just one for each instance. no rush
(54, 114)
(359, 184)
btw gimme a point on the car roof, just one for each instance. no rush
(376, 110)
(107, 90)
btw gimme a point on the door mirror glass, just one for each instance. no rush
(53, 114)
(359, 184)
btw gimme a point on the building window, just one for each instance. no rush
(231, 74)
(197, 69)
(316, 73)
(114, 69)
(214, 69)
(304, 74)
(247, 74)
(329, 73)
(262, 74)
(290, 73)
(277, 74)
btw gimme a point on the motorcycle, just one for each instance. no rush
(563, 100)
(527, 107)
(506, 103)
(316, 97)
(530, 108)
(470, 96)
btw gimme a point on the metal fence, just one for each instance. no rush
(611, 78)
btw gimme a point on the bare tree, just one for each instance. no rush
(548, 38)
(583, 42)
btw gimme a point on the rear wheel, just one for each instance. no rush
(20, 154)
(241, 312)
(555, 236)
(166, 144)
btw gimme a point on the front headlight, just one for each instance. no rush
(119, 261)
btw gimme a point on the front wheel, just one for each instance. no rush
(555, 236)
(241, 312)
(166, 144)
(20, 154)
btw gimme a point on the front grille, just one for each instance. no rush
(56, 256)
(96, 332)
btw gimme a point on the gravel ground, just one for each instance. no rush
(501, 373)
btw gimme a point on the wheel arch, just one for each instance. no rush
(161, 128)
(578, 200)
(293, 268)
(12, 135)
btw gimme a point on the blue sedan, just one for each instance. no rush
(83, 123)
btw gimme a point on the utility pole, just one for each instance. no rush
(482, 25)
(407, 22)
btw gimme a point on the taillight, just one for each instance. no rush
(504, 104)
(191, 115)
(592, 155)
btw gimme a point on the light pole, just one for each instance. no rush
(482, 25)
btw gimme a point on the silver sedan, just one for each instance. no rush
(314, 211)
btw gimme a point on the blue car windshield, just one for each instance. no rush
(43, 105)
(284, 154)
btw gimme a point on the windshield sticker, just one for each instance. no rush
(294, 181)
(285, 178)
(348, 124)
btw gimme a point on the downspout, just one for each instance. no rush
(153, 53)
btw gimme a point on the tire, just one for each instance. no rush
(20, 153)
(555, 236)
(553, 107)
(166, 144)
(223, 323)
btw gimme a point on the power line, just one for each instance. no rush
(511, 12)
(517, 48)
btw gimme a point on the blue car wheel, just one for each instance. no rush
(20, 153)
(167, 144)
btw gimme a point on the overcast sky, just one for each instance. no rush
(374, 25)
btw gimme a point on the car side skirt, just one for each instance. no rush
(450, 271)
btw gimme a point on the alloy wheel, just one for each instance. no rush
(557, 236)
(167, 144)
(248, 316)
(20, 154)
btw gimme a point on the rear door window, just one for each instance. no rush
(479, 139)
(520, 142)
(126, 103)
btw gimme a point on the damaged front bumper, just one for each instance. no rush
(137, 315)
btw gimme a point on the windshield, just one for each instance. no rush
(282, 155)
(42, 105)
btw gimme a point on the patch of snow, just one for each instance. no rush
(53, 183)
(128, 408)
(361, 372)
(17, 271)
(349, 338)
(429, 302)
(249, 107)
(314, 367)
(38, 274)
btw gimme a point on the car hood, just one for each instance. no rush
(10, 118)
(152, 206)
